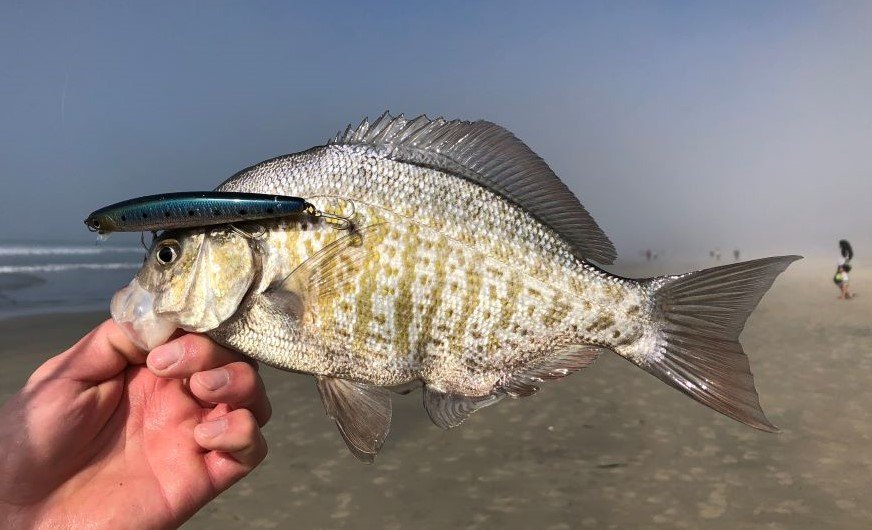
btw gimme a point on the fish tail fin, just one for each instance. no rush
(696, 349)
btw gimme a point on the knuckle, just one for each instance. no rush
(209, 348)
(200, 351)
(245, 384)
(244, 372)
(191, 345)
(187, 350)
(247, 423)
(104, 327)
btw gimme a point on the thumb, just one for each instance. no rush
(100, 355)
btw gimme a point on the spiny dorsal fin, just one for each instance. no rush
(571, 359)
(492, 157)
(449, 410)
(361, 411)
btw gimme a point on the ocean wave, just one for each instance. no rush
(64, 251)
(62, 267)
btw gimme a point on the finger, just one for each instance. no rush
(235, 433)
(236, 384)
(100, 355)
(182, 357)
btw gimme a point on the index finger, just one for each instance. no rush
(188, 354)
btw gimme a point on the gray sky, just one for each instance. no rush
(681, 126)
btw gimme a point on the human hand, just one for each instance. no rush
(97, 439)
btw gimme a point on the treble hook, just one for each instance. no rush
(342, 222)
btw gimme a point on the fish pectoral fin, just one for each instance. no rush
(450, 410)
(564, 362)
(361, 411)
(329, 270)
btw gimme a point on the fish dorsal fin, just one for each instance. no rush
(361, 411)
(328, 271)
(449, 410)
(494, 158)
(571, 359)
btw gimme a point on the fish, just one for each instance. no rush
(191, 209)
(469, 270)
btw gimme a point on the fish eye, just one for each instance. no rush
(167, 252)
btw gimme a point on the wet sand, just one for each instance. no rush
(611, 447)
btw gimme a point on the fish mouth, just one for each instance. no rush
(133, 309)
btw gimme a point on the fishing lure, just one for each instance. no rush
(192, 209)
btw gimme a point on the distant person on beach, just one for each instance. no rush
(736, 254)
(847, 253)
(843, 267)
(841, 279)
(106, 435)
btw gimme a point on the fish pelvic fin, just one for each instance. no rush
(362, 413)
(696, 349)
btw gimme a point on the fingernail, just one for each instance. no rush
(214, 379)
(165, 356)
(211, 429)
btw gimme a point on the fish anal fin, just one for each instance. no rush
(562, 363)
(492, 157)
(450, 410)
(362, 413)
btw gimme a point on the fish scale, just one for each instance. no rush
(456, 334)
(466, 213)
(463, 211)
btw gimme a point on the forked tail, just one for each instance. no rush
(698, 317)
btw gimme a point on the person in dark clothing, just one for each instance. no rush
(843, 267)
(847, 253)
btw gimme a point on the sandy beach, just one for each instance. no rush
(611, 447)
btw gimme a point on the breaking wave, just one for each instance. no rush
(62, 267)
(64, 251)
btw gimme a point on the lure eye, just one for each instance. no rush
(167, 252)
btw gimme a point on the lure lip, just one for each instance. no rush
(102, 221)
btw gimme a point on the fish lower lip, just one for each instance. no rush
(132, 309)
